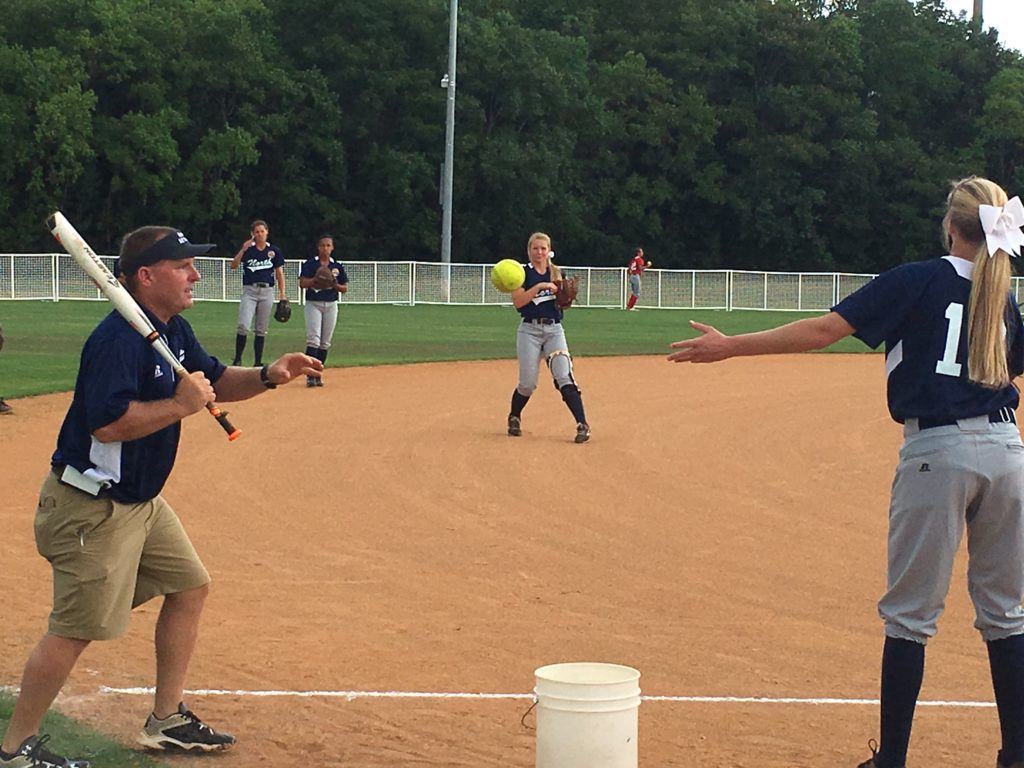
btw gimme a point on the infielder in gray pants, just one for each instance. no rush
(262, 272)
(541, 335)
(954, 344)
(323, 279)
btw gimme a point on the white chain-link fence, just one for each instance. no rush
(56, 277)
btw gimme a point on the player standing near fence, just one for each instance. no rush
(262, 269)
(5, 409)
(953, 345)
(112, 540)
(635, 269)
(323, 279)
(541, 334)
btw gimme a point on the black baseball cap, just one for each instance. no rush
(172, 246)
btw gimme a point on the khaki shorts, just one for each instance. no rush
(109, 557)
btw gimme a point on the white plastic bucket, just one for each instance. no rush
(587, 715)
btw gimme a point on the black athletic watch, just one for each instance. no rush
(265, 378)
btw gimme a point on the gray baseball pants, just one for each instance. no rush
(321, 318)
(256, 302)
(968, 475)
(534, 341)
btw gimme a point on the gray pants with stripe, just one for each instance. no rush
(969, 475)
(321, 318)
(256, 302)
(534, 341)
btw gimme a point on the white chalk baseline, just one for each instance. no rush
(353, 695)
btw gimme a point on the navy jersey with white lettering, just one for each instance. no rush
(544, 305)
(258, 266)
(119, 366)
(920, 311)
(309, 268)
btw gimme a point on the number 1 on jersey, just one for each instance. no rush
(948, 365)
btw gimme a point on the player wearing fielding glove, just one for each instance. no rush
(541, 301)
(112, 540)
(953, 345)
(262, 270)
(323, 279)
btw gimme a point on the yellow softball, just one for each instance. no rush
(507, 275)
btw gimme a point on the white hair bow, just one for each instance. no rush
(1002, 226)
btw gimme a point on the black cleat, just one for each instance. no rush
(872, 762)
(515, 429)
(582, 433)
(32, 754)
(183, 732)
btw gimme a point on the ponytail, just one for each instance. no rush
(990, 283)
(986, 318)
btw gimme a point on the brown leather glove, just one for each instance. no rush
(567, 291)
(323, 279)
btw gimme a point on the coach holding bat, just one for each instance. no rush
(112, 540)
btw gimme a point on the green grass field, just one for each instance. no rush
(69, 737)
(44, 338)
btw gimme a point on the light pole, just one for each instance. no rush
(976, 18)
(448, 82)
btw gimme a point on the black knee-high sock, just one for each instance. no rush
(322, 354)
(518, 403)
(239, 347)
(572, 398)
(1006, 659)
(312, 352)
(257, 349)
(902, 673)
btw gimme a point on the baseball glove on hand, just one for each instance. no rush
(323, 279)
(283, 312)
(567, 290)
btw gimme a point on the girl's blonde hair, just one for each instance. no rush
(556, 273)
(990, 286)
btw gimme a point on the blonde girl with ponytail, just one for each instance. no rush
(990, 288)
(953, 346)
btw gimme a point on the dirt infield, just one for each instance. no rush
(723, 532)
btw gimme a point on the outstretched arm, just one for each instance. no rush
(237, 383)
(799, 336)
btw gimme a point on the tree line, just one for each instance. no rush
(764, 134)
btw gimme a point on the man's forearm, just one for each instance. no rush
(238, 383)
(142, 419)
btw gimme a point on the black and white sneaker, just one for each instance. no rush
(515, 428)
(183, 731)
(582, 433)
(32, 754)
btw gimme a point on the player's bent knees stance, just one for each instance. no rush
(560, 364)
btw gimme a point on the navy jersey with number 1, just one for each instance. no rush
(920, 311)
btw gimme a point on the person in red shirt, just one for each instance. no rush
(636, 268)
